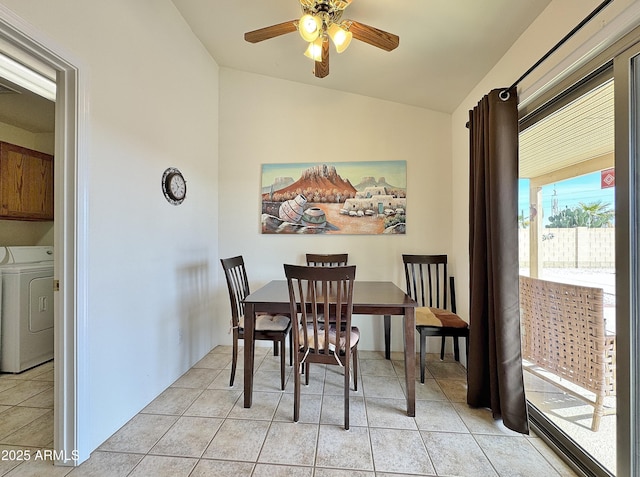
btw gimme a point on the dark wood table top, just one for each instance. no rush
(369, 297)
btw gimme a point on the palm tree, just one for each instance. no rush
(598, 214)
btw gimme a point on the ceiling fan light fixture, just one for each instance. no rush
(309, 27)
(314, 51)
(340, 36)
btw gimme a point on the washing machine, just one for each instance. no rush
(26, 307)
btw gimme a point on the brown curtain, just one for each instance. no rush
(494, 364)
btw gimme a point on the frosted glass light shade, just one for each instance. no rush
(314, 51)
(341, 37)
(309, 27)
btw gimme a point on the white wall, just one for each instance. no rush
(266, 120)
(152, 93)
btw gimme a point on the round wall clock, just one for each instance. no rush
(174, 187)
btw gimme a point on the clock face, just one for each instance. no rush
(177, 186)
(174, 186)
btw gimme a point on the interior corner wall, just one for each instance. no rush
(266, 120)
(152, 93)
(560, 17)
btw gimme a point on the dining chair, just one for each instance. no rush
(267, 327)
(312, 292)
(426, 277)
(327, 259)
(341, 259)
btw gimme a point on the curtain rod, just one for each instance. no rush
(587, 19)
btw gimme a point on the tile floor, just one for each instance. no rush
(199, 427)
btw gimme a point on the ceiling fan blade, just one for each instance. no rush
(321, 68)
(373, 36)
(271, 31)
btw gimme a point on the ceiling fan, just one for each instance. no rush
(321, 20)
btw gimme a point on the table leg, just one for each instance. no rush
(387, 336)
(410, 359)
(249, 352)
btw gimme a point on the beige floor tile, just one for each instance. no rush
(46, 376)
(23, 391)
(454, 389)
(270, 470)
(334, 381)
(215, 361)
(198, 378)
(402, 451)
(199, 426)
(377, 367)
(188, 437)
(389, 413)
(344, 449)
(481, 421)
(429, 390)
(290, 443)
(264, 380)
(43, 400)
(438, 416)
(16, 418)
(382, 386)
(13, 456)
(316, 381)
(6, 383)
(333, 411)
(554, 459)
(37, 433)
(173, 401)
(514, 456)
(310, 408)
(457, 454)
(213, 403)
(448, 370)
(107, 464)
(221, 468)
(163, 466)
(320, 472)
(140, 434)
(37, 468)
(364, 354)
(238, 439)
(263, 407)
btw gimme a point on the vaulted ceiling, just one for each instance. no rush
(446, 46)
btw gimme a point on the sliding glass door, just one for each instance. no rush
(582, 244)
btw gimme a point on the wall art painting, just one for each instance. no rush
(367, 198)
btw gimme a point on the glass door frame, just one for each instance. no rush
(627, 130)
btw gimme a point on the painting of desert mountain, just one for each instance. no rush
(334, 198)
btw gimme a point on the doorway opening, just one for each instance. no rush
(27, 46)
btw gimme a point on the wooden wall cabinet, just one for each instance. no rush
(26, 183)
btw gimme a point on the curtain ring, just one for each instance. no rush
(504, 95)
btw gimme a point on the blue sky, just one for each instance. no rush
(569, 194)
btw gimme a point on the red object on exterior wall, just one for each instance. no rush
(607, 178)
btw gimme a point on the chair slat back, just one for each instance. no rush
(426, 279)
(312, 291)
(237, 284)
(327, 259)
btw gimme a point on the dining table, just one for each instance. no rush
(369, 298)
